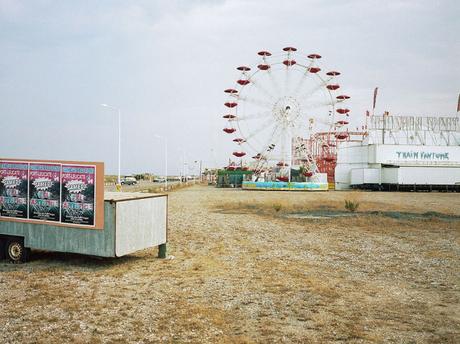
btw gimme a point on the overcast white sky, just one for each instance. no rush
(166, 64)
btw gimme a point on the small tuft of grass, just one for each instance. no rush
(351, 205)
(277, 206)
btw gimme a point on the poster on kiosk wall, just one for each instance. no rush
(13, 189)
(44, 191)
(78, 185)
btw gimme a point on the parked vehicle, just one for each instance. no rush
(128, 181)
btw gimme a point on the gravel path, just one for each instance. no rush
(240, 271)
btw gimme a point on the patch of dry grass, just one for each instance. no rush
(446, 203)
(249, 274)
(271, 206)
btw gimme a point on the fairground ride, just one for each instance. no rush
(288, 112)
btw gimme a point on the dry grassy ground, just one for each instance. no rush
(243, 271)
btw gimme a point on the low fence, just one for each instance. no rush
(151, 187)
(170, 187)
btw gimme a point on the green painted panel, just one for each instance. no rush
(234, 172)
(98, 242)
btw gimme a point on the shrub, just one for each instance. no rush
(277, 207)
(351, 206)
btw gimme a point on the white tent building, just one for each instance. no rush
(403, 152)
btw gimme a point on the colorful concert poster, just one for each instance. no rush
(44, 191)
(13, 189)
(78, 188)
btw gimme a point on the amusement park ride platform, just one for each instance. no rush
(286, 186)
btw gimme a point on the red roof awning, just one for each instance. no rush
(239, 154)
(314, 69)
(264, 53)
(289, 62)
(263, 66)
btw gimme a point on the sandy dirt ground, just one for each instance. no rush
(249, 266)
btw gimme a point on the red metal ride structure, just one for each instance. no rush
(323, 146)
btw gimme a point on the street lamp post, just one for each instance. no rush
(196, 161)
(119, 140)
(184, 166)
(183, 177)
(166, 159)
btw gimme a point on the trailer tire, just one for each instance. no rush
(2, 249)
(15, 251)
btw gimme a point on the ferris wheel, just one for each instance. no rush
(276, 107)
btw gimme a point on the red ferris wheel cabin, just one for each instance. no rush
(239, 154)
(230, 104)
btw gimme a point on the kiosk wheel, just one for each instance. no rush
(2, 248)
(15, 251)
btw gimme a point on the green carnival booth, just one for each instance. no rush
(232, 178)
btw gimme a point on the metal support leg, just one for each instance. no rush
(162, 251)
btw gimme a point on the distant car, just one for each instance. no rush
(128, 181)
(159, 180)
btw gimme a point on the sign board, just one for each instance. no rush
(78, 194)
(415, 123)
(13, 189)
(415, 155)
(64, 193)
(44, 191)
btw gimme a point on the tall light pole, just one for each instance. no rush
(119, 140)
(166, 159)
(196, 161)
(184, 170)
(183, 177)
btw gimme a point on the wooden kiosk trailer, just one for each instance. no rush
(78, 217)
